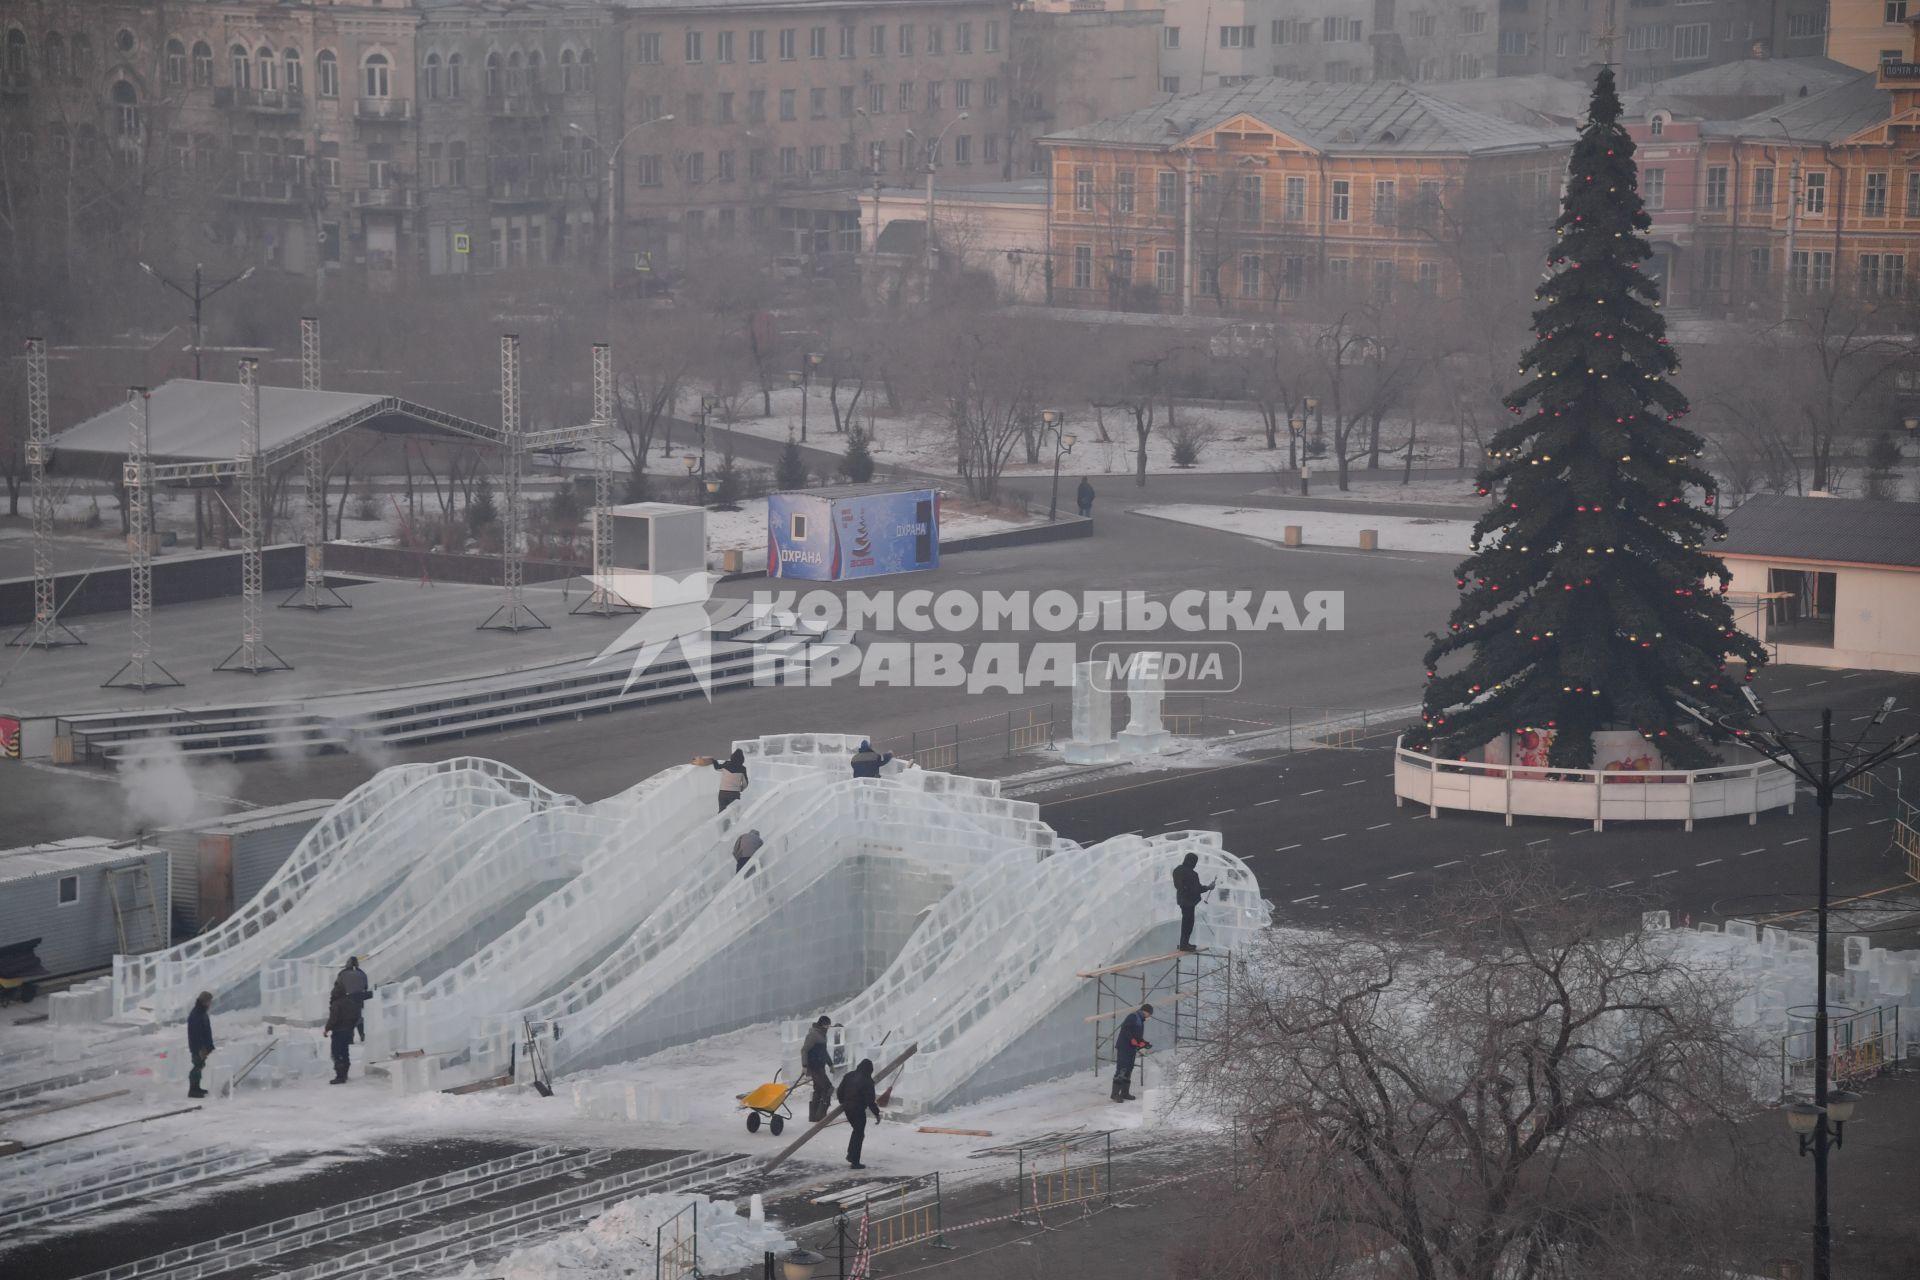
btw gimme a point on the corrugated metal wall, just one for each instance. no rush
(82, 935)
(242, 852)
(259, 853)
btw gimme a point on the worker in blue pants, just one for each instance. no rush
(1127, 1044)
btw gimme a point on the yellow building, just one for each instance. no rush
(1244, 199)
(1861, 33)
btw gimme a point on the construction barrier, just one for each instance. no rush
(676, 1246)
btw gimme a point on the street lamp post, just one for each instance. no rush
(1055, 421)
(1297, 433)
(198, 296)
(803, 379)
(612, 157)
(1319, 426)
(697, 476)
(1818, 1123)
(933, 156)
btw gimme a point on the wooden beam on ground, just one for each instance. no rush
(801, 1141)
(52, 1107)
(958, 1133)
(88, 1133)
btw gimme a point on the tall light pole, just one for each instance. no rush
(1821, 1118)
(802, 378)
(198, 296)
(1793, 220)
(933, 156)
(612, 158)
(1053, 420)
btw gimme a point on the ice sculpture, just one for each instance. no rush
(1146, 733)
(1092, 741)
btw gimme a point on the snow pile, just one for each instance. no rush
(620, 1242)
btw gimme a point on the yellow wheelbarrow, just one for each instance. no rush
(767, 1102)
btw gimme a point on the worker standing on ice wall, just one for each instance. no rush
(199, 1041)
(1189, 893)
(1127, 1044)
(733, 774)
(867, 762)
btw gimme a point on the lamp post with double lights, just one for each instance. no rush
(612, 157)
(198, 296)
(1297, 434)
(1817, 1122)
(802, 378)
(1054, 421)
(933, 159)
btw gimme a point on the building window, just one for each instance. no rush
(290, 76)
(695, 46)
(1252, 191)
(241, 66)
(789, 43)
(454, 65)
(1896, 11)
(1692, 41)
(816, 104)
(376, 80)
(1384, 202)
(905, 97)
(756, 46)
(1249, 275)
(1757, 264)
(1803, 26)
(876, 99)
(696, 167)
(1237, 37)
(456, 163)
(646, 171)
(816, 42)
(877, 41)
(1813, 200)
(756, 106)
(1653, 188)
(1883, 274)
(176, 62)
(1913, 194)
(1342, 200)
(962, 95)
(1295, 207)
(646, 47)
(1123, 191)
(1427, 281)
(846, 102)
(1166, 199)
(1083, 266)
(1874, 204)
(648, 107)
(1339, 274)
(1716, 186)
(991, 41)
(723, 46)
(846, 40)
(203, 65)
(693, 108)
(1170, 84)
(933, 95)
(1811, 271)
(963, 148)
(817, 158)
(963, 37)
(1339, 31)
(906, 40)
(1164, 277)
(1083, 189)
(68, 891)
(990, 148)
(993, 91)
(1170, 37)
(1473, 21)
(430, 74)
(1763, 189)
(789, 104)
(936, 38)
(723, 108)
(1713, 270)
(1383, 280)
(757, 163)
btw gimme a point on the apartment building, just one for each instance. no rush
(769, 117)
(1252, 197)
(1652, 40)
(1864, 33)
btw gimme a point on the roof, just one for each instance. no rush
(64, 857)
(853, 491)
(902, 235)
(1832, 115)
(1841, 530)
(833, 6)
(264, 818)
(650, 509)
(1540, 100)
(1777, 79)
(1383, 116)
(1017, 191)
(194, 421)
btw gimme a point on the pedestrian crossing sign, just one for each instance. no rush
(462, 242)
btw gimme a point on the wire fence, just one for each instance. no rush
(984, 739)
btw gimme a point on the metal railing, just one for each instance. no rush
(1860, 1046)
(908, 1214)
(398, 110)
(1906, 836)
(676, 1246)
(1064, 1171)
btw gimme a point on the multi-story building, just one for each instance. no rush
(1067, 69)
(1864, 33)
(1247, 198)
(1650, 40)
(770, 116)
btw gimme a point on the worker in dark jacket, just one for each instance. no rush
(733, 774)
(1189, 893)
(814, 1058)
(359, 990)
(748, 844)
(1085, 496)
(1127, 1044)
(867, 761)
(199, 1041)
(343, 1011)
(856, 1100)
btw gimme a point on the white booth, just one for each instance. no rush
(657, 554)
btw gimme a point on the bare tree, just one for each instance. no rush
(1498, 1087)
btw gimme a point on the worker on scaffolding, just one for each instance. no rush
(1189, 893)
(1127, 1044)
(814, 1058)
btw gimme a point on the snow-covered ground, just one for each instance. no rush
(1322, 528)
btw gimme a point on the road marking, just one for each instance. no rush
(1136, 831)
(1378, 825)
(1855, 675)
(1217, 812)
(1356, 782)
(1309, 898)
(1709, 862)
(1489, 853)
(1748, 853)
(1623, 884)
(1283, 848)
(1876, 822)
(1839, 831)
(1386, 777)
(1583, 831)
(1258, 803)
(1338, 835)
(1815, 684)
(1569, 897)
(1868, 716)
(1316, 791)
(1454, 863)
(1400, 876)
(1541, 840)
(1350, 888)
(1658, 874)
(1801, 840)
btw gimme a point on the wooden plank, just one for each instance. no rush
(50, 1108)
(1156, 1002)
(1125, 965)
(476, 1086)
(959, 1133)
(801, 1141)
(851, 1195)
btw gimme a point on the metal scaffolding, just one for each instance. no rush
(253, 656)
(514, 615)
(46, 631)
(313, 593)
(1189, 991)
(599, 601)
(141, 666)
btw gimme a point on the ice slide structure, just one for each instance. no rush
(489, 911)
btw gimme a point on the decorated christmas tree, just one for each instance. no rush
(1591, 601)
